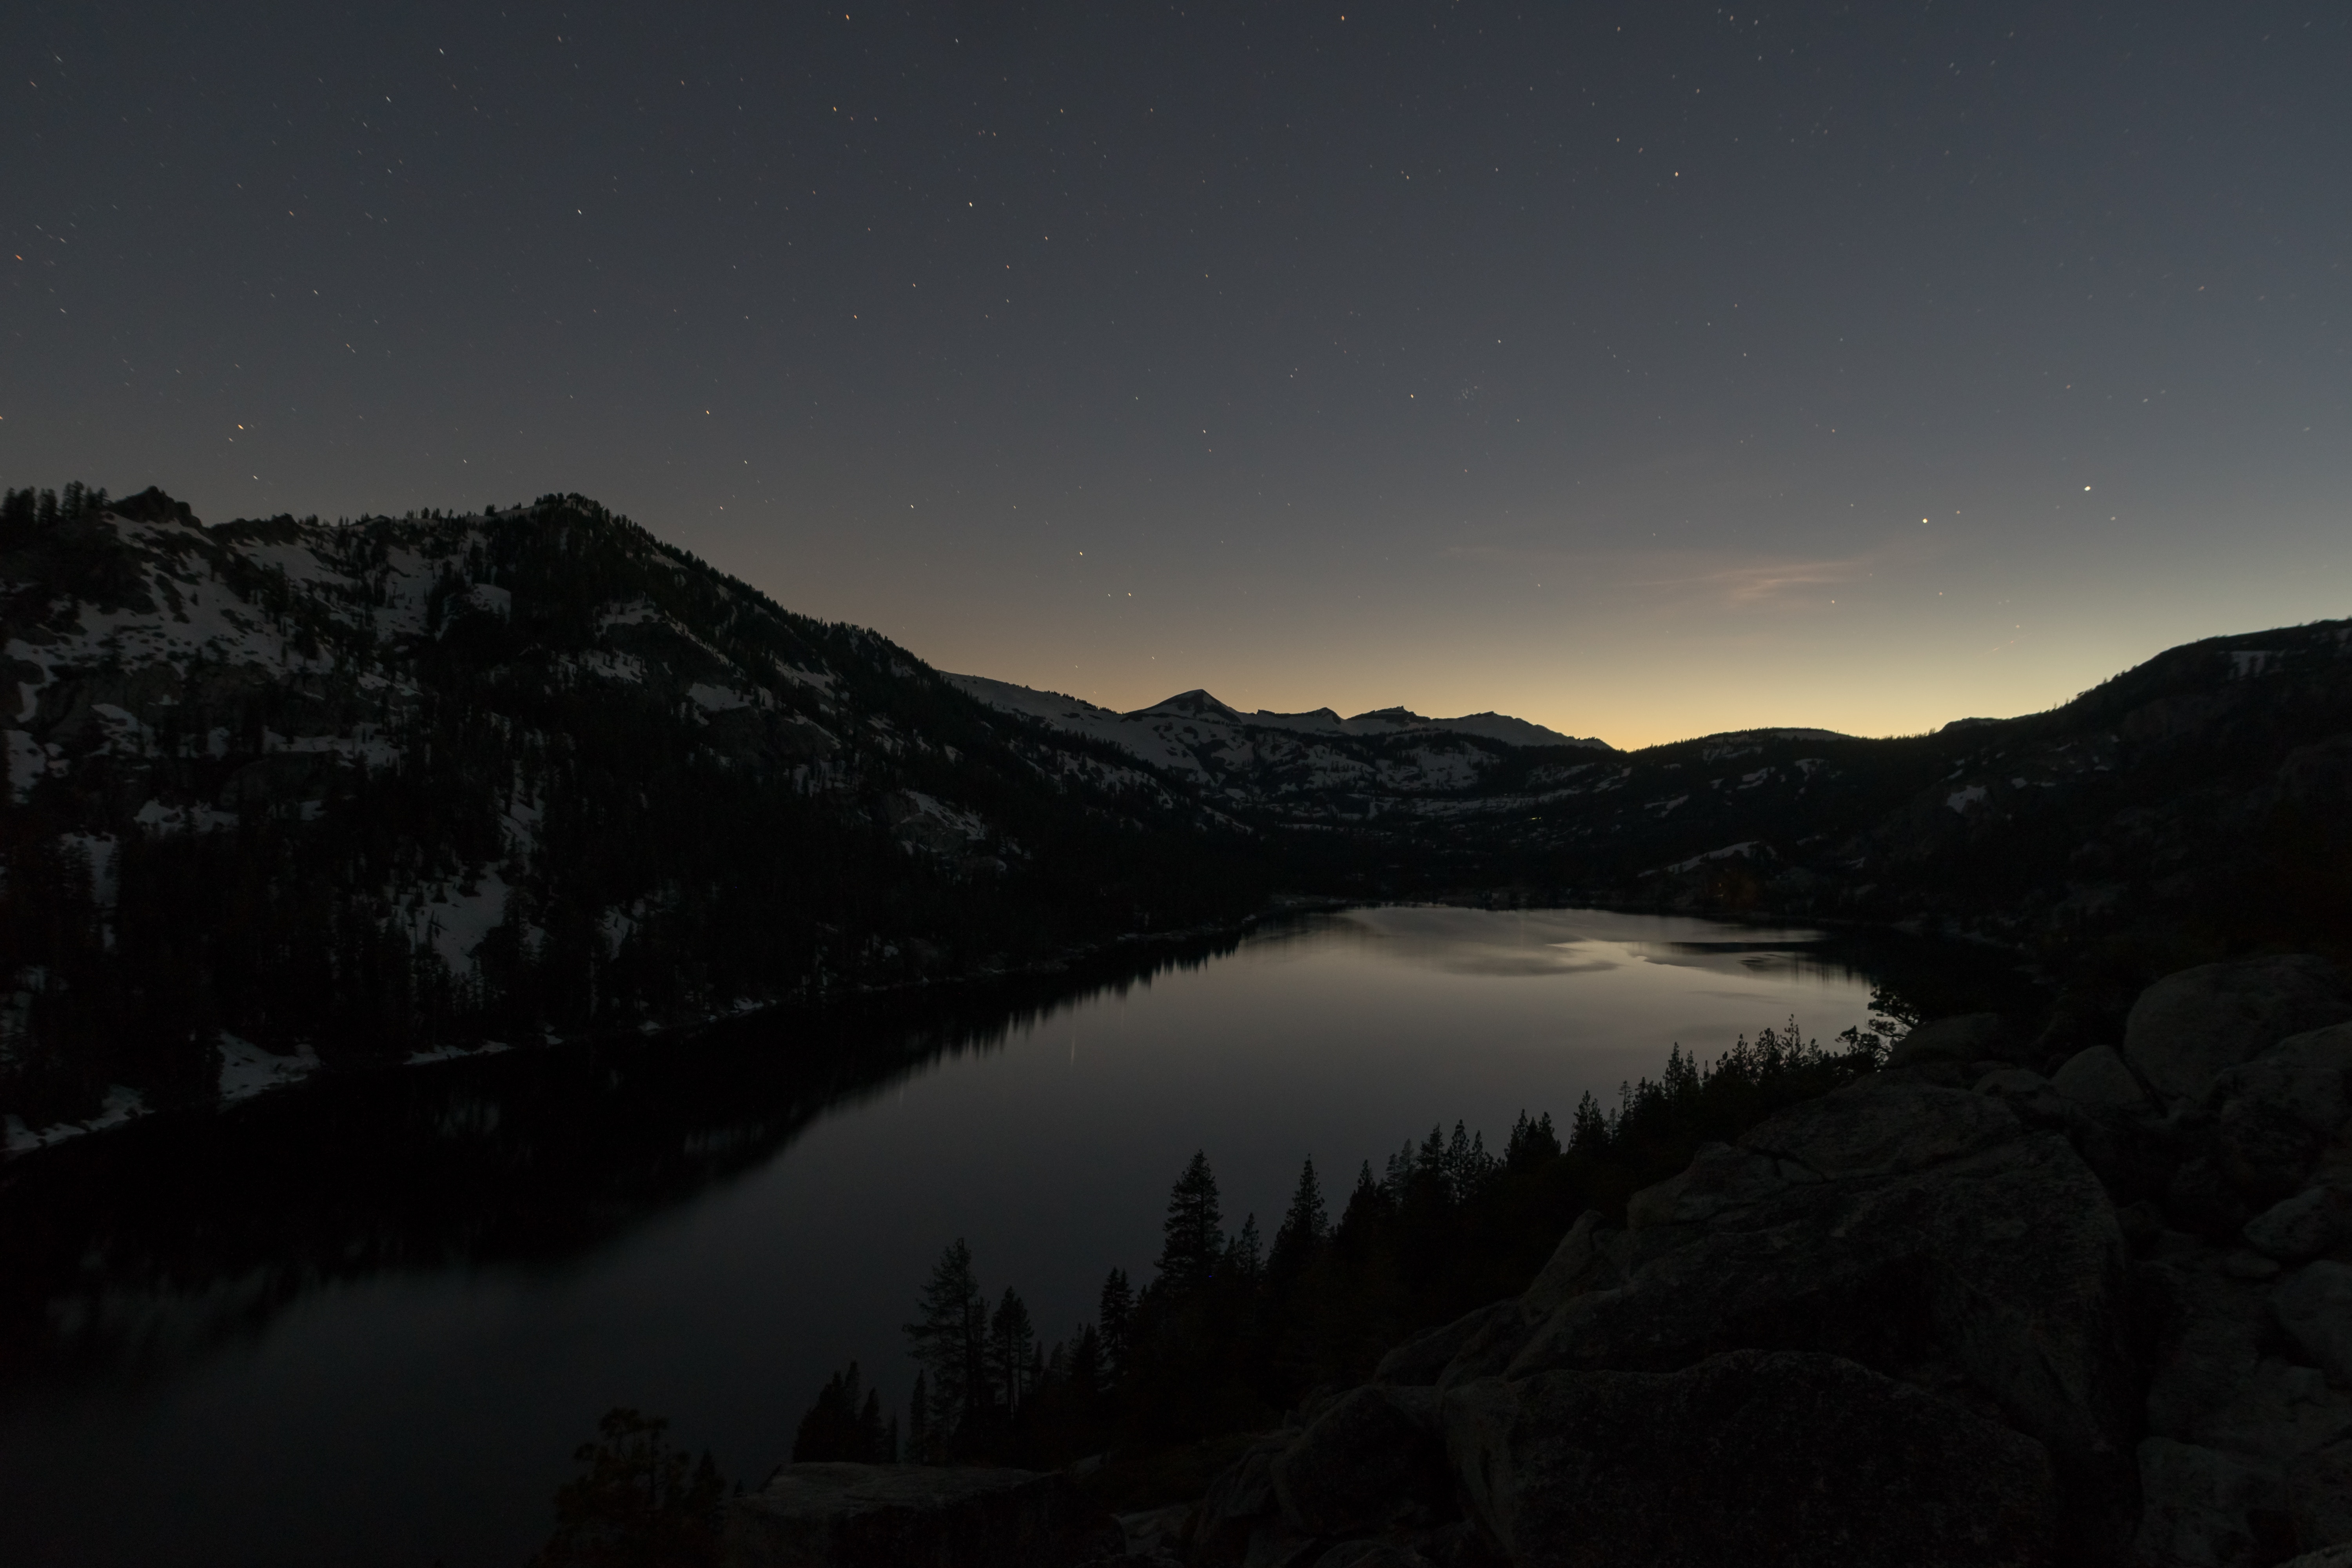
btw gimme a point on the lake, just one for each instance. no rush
(367, 1319)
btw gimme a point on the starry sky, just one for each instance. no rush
(1643, 370)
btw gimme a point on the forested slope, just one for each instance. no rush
(285, 791)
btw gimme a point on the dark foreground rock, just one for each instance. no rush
(1763, 1457)
(912, 1516)
(2103, 1317)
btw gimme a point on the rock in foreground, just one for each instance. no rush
(912, 1516)
(1765, 1458)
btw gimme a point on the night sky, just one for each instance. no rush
(1643, 371)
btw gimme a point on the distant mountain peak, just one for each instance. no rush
(1147, 730)
(1194, 704)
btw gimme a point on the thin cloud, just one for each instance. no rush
(1701, 576)
(1773, 581)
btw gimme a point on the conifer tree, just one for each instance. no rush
(1245, 1255)
(1116, 1314)
(1012, 1346)
(1532, 1143)
(918, 1422)
(950, 1339)
(840, 1427)
(1303, 1228)
(1192, 1235)
(639, 1500)
(1589, 1132)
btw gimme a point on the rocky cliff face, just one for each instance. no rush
(1966, 1311)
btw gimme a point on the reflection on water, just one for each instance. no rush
(130, 1253)
(1538, 943)
(366, 1320)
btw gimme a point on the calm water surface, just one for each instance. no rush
(366, 1323)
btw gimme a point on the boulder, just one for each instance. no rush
(2030, 1095)
(2313, 1222)
(1762, 1458)
(1240, 1501)
(1968, 1038)
(1157, 1530)
(2207, 1329)
(1372, 1459)
(2133, 1152)
(1898, 1226)
(2098, 1077)
(2314, 1307)
(2319, 1497)
(2325, 1557)
(1419, 1361)
(2278, 1111)
(898, 1516)
(1880, 1130)
(2205, 1509)
(1371, 1555)
(2190, 1027)
(1586, 1258)
(1590, 1257)
(2306, 1076)
(2201, 1198)
(2280, 1411)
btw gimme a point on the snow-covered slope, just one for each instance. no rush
(393, 786)
(1309, 764)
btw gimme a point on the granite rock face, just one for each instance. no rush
(1920, 1231)
(912, 1516)
(2097, 1076)
(1762, 1458)
(2188, 1028)
(1371, 1457)
(1969, 1037)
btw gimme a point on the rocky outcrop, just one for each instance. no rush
(1762, 1458)
(2188, 1028)
(2103, 1316)
(912, 1516)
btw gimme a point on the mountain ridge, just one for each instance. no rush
(383, 789)
(282, 792)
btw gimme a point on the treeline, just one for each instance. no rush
(1232, 1331)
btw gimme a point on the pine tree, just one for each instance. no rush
(639, 1501)
(1116, 1312)
(1245, 1255)
(877, 1442)
(839, 1427)
(1589, 1133)
(1302, 1230)
(1011, 1345)
(1192, 1235)
(950, 1339)
(1532, 1144)
(1084, 1368)
(918, 1422)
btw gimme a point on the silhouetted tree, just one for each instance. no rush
(950, 1339)
(1011, 1350)
(640, 1505)
(919, 1421)
(845, 1424)
(1192, 1235)
(1114, 1314)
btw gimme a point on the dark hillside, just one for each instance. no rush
(375, 788)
